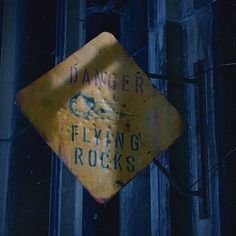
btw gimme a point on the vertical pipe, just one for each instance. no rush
(203, 206)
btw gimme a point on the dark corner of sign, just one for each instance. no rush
(101, 200)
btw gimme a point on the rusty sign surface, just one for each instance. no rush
(101, 115)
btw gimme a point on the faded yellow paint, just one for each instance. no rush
(101, 115)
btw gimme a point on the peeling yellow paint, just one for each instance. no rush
(101, 115)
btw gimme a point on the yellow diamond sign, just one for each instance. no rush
(101, 115)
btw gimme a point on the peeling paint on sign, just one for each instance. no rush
(101, 115)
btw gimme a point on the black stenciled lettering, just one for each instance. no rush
(112, 81)
(74, 132)
(135, 144)
(86, 78)
(130, 163)
(98, 78)
(139, 84)
(120, 140)
(108, 141)
(97, 135)
(85, 135)
(103, 77)
(74, 74)
(104, 156)
(92, 158)
(125, 83)
(78, 155)
(117, 162)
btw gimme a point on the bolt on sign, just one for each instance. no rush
(101, 115)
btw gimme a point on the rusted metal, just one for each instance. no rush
(101, 115)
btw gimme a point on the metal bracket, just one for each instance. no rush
(16, 135)
(178, 187)
(171, 79)
(190, 79)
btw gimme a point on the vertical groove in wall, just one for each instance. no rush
(159, 184)
(66, 204)
(8, 71)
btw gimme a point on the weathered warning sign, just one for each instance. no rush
(101, 115)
